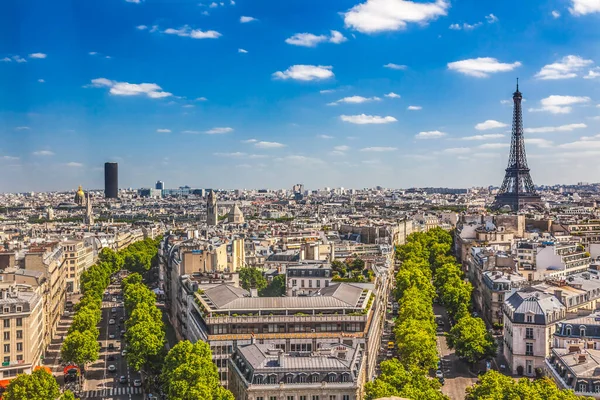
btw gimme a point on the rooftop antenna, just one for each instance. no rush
(517, 84)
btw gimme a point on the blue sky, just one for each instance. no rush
(265, 94)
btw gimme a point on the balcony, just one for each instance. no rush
(285, 318)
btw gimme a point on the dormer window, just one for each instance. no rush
(568, 330)
(582, 331)
(529, 319)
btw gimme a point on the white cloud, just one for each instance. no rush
(489, 124)
(22, 128)
(242, 51)
(234, 154)
(18, 59)
(583, 7)
(139, 27)
(484, 137)
(134, 1)
(213, 5)
(566, 68)
(414, 108)
(457, 150)
(593, 73)
(191, 132)
(491, 19)
(9, 158)
(560, 104)
(201, 99)
(249, 141)
(342, 148)
(392, 95)
(555, 14)
(362, 119)
(355, 100)
(494, 145)
(151, 90)
(188, 106)
(395, 66)
(38, 55)
(430, 135)
(297, 159)
(269, 145)
(337, 38)
(465, 26)
(481, 67)
(41, 81)
(379, 149)
(73, 164)
(186, 31)
(6, 59)
(324, 137)
(219, 131)
(326, 91)
(244, 19)
(302, 72)
(163, 130)
(581, 145)
(336, 153)
(595, 137)
(43, 153)
(550, 129)
(310, 40)
(543, 143)
(391, 15)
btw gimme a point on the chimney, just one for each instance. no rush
(253, 292)
(252, 339)
(582, 358)
(558, 294)
(280, 356)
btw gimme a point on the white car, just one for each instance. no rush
(112, 368)
(439, 374)
(111, 336)
(137, 383)
(111, 321)
(124, 353)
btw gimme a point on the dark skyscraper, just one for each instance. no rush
(111, 180)
(517, 190)
(160, 185)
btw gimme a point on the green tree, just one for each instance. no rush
(39, 385)
(471, 340)
(67, 395)
(189, 373)
(86, 319)
(80, 347)
(146, 340)
(251, 277)
(131, 279)
(417, 347)
(137, 293)
(276, 288)
(495, 386)
(456, 296)
(396, 380)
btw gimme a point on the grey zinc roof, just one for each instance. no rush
(224, 294)
(531, 301)
(346, 293)
(264, 360)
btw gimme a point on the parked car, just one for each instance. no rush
(111, 321)
(111, 335)
(124, 353)
(112, 368)
(439, 374)
(123, 379)
(137, 383)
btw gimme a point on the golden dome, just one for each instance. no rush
(80, 191)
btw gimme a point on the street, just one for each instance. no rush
(101, 383)
(456, 373)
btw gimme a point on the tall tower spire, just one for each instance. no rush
(517, 188)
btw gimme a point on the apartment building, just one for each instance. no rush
(79, 256)
(262, 372)
(21, 312)
(48, 259)
(307, 278)
(575, 357)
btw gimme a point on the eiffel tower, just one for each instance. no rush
(517, 189)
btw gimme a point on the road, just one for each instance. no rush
(456, 373)
(102, 383)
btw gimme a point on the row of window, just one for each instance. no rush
(19, 335)
(313, 397)
(6, 322)
(310, 281)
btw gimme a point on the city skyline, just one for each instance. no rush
(248, 94)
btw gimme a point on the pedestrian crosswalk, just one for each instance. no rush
(110, 392)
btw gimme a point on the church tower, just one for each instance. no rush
(211, 209)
